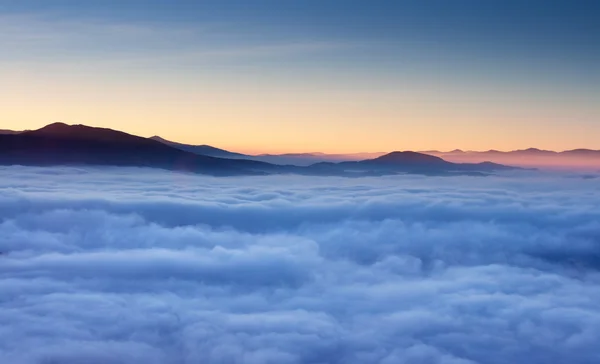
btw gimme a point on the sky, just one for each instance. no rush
(302, 76)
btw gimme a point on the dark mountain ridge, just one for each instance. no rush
(202, 149)
(407, 157)
(9, 132)
(62, 144)
(414, 162)
(296, 159)
(531, 157)
(528, 151)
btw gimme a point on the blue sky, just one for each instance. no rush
(474, 73)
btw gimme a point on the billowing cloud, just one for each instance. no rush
(103, 265)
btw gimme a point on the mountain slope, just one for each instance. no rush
(531, 157)
(307, 159)
(295, 159)
(413, 162)
(59, 144)
(9, 132)
(408, 158)
(62, 144)
(202, 149)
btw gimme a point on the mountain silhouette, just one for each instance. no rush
(407, 158)
(202, 149)
(295, 159)
(9, 132)
(530, 157)
(62, 144)
(413, 162)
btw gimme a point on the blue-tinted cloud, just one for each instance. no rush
(135, 265)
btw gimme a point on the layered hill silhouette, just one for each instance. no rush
(297, 159)
(414, 162)
(531, 157)
(9, 132)
(203, 149)
(62, 144)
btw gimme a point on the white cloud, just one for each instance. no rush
(135, 265)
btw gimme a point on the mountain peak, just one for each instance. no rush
(62, 144)
(160, 139)
(84, 132)
(408, 157)
(533, 151)
(54, 128)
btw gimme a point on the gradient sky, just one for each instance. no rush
(301, 76)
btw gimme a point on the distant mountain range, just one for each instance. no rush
(531, 157)
(62, 144)
(297, 159)
(307, 159)
(9, 132)
(413, 162)
(202, 149)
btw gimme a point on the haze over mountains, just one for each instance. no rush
(531, 158)
(62, 144)
(297, 159)
(202, 149)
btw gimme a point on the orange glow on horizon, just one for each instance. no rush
(275, 118)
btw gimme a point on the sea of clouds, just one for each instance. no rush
(125, 265)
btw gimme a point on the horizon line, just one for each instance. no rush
(264, 153)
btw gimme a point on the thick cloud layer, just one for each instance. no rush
(143, 266)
